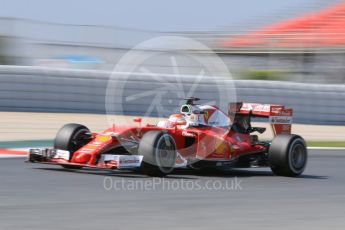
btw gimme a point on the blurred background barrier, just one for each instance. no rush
(303, 44)
(55, 69)
(41, 89)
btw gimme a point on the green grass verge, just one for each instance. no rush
(263, 74)
(326, 143)
(26, 144)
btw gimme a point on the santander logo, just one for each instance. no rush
(280, 120)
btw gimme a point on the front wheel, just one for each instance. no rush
(287, 155)
(159, 151)
(71, 137)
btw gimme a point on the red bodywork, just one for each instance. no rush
(208, 143)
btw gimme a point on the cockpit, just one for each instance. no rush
(192, 115)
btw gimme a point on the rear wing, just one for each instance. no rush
(279, 117)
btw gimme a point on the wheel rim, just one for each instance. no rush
(78, 140)
(298, 156)
(166, 154)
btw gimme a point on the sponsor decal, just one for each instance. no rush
(220, 147)
(187, 134)
(62, 154)
(123, 161)
(286, 113)
(276, 109)
(262, 108)
(206, 115)
(130, 161)
(85, 151)
(103, 138)
(280, 120)
(256, 107)
(91, 146)
(209, 114)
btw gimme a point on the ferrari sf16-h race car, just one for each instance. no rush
(198, 137)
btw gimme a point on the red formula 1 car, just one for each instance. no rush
(199, 137)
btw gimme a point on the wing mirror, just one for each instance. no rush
(137, 119)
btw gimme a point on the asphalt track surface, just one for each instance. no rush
(34, 196)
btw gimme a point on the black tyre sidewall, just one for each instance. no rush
(294, 142)
(148, 146)
(65, 135)
(280, 155)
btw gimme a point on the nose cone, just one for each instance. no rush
(82, 158)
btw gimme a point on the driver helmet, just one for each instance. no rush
(176, 118)
(192, 119)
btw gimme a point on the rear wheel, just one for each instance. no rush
(71, 137)
(159, 151)
(287, 155)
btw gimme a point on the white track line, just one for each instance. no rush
(327, 148)
(11, 156)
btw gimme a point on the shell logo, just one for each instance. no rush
(206, 115)
(103, 138)
(90, 146)
(220, 146)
